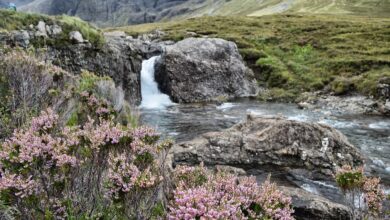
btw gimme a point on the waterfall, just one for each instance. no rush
(152, 98)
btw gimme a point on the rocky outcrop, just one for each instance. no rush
(203, 69)
(120, 57)
(274, 142)
(308, 206)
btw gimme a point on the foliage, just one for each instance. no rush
(49, 171)
(24, 84)
(200, 194)
(299, 53)
(355, 186)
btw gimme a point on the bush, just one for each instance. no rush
(200, 194)
(49, 171)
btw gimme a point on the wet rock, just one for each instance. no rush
(309, 206)
(76, 36)
(203, 69)
(275, 142)
(383, 90)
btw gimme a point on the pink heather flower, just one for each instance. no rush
(102, 111)
(225, 196)
(373, 195)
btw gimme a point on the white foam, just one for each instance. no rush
(226, 105)
(309, 188)
(152, 98)
(380, 125)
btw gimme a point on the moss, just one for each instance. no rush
(74, 119)
(252, 54)
(278, 94)
(368, 83)
(158, 211)
(92, 34)
(88, 81)
(341, 86)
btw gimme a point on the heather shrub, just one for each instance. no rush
(363, 194)
(98, 169)
(200, 194)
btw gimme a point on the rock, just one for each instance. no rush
(309, 206)
(41, 29)
(76, 37)
(119, 59)
(383, 88)
(56, 29)
(48, 30)
(21, 38)
(200, 69)
(272, 142)
(356, 104)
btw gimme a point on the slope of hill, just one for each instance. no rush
(124, 12)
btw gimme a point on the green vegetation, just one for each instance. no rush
(11, 20)
(292, 54)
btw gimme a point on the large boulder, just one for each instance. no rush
(203, 69)
(274, 142)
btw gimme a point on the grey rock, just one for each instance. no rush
(41, 29)
(383, 88)
(119, 59)
(308, 206)
(56, 29)
(275, 142)
(76, 37)
(200, 69)
(48, 30)
(21, 38)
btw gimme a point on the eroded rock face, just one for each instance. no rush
(274, 142)
(308, 206)
(119, 58)
(203, 69)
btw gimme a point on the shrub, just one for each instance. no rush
(83, 171)
(200, 194)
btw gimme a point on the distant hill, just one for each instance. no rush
(124, 12)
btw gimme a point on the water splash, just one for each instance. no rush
(152, 98)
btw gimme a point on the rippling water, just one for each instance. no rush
(369, 133)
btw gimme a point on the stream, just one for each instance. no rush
(371, 134)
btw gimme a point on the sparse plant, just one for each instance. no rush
(363, 194)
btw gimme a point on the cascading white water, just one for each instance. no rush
(152, 98)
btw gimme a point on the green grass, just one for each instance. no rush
(11, 20)
(298, 53)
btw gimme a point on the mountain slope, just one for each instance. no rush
(124, 12)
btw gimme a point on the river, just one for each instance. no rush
(371, 134)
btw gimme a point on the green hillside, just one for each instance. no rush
(377, 8)
(291, 54)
